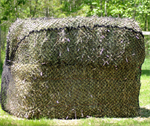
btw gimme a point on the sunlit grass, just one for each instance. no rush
(145, 85)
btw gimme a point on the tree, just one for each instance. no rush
(10, 10)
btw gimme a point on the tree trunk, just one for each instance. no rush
(105, 8)
(145, 23)
(91, 6)
(101, 7)
(134, 14)
(34, 12)
(47, 12)
(30, 9)
(61, 4)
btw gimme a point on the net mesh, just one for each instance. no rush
(73, 68)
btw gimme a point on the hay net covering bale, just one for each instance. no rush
(73, 68)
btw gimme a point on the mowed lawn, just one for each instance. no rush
(143, 120)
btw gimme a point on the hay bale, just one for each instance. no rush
(73, 68)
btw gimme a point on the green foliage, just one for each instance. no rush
(138, 9)
(10, 10)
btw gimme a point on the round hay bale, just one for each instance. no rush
(73, 68)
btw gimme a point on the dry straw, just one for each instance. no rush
(73, 68)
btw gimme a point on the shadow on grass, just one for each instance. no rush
(145, 112)
(146, 72)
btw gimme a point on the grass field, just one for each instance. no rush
(143, 120)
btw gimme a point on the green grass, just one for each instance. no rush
(143, 120)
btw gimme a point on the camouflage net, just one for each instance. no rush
(73, 68)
